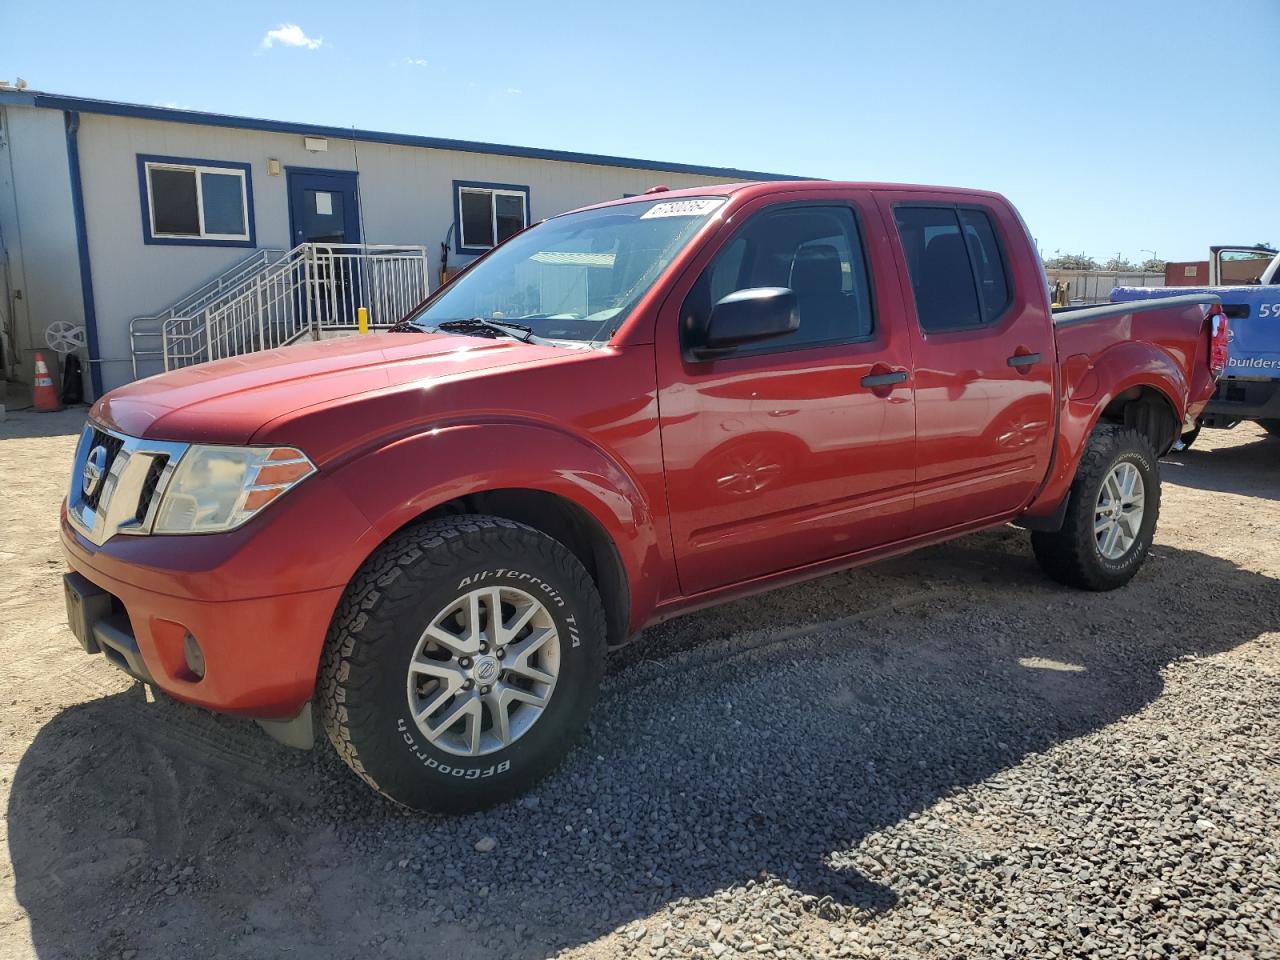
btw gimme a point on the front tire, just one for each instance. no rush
(463, 661)
(1111, 516)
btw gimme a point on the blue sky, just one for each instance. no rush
(1116, 127)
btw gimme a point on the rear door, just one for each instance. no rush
(798, 449)
(984, 356)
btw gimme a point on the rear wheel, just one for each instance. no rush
(464, 659)
(1111, 514)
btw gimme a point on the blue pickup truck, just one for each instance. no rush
(1249, 389)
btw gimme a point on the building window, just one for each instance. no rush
(488, 213)
(202, 202)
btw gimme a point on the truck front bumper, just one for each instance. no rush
(1236, 399)
(255, 603)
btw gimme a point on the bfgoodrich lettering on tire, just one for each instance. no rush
(464, 659)
(1111, 513)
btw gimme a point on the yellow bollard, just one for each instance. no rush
(362, 319)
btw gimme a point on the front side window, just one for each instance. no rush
(956, 265)
(488, 214)
(816, 251)
(574, 278)
(196, 201)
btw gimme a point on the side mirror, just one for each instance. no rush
(746, 316)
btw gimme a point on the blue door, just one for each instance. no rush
(324, 210)
(323, 207)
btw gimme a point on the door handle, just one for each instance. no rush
(884, 379)
(1024, 359)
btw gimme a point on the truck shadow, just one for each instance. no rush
(151, 826)
(1249, 469)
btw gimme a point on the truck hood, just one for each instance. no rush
(227, 401)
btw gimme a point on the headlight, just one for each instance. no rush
(219, 488)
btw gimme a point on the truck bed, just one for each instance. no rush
(1253, 312)
(1250, 386)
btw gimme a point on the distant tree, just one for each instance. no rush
(1153, 265)
(1070, 261)
(1121, 264)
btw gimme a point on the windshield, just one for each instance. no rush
(574, 278)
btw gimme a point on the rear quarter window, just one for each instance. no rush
(989, 267)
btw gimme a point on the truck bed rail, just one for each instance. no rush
(1071, 316)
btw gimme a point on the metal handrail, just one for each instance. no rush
(232, 276)
(312, 289)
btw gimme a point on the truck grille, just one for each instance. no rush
(149, 484)
(1246, 392)
(112, 444)
(125, 498)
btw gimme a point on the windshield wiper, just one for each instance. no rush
(406, 326)
(517, 331)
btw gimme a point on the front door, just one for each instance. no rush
(801, 448)
(984, 354)
(324, 211)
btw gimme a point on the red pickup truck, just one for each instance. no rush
(621, 414)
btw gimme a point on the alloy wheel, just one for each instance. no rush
(484, 670)
(1118, 514)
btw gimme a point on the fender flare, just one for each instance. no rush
(1121, 368)
(398, 481)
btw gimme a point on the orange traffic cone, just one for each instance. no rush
(44, 397)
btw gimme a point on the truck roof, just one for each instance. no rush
(757, 188)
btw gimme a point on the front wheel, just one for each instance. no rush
(1111, 514)
(463, 661)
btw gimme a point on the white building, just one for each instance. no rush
(172, 236)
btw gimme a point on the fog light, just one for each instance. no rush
(195, 656)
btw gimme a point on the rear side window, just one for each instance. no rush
(956, 265)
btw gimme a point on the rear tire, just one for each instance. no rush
(476, 618)
(1111, 516)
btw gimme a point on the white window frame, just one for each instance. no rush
(198, 170)
(492, 193)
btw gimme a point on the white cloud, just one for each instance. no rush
(290, 35)
(515, 90)
(415, 62)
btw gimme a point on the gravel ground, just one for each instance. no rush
(942, 756)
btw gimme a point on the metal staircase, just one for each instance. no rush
(145, 333)
(276, 297)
